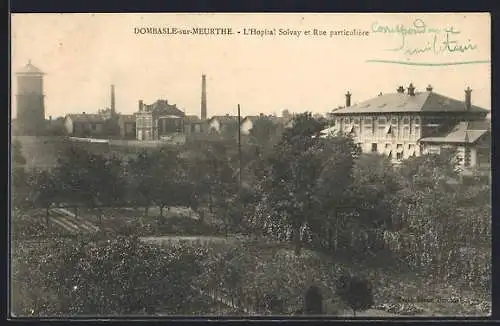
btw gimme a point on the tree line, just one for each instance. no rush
(298, 187)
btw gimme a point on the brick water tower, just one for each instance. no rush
(30, 100)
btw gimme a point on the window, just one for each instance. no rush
(381, 121)
(417, 120)
(406, 121)
(374, 147)
(394, 121)
(356, 121)
(193, 127)
(338, 121)
(381, 131)
(368, 121)
(406, 132)
(399, 152)
(93, 126)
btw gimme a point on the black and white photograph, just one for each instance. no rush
(250, 164)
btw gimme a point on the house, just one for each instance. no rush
(221, 123)
(159, 120)
(401, 124)
(85, 125)
(248, 122)
(194, 125)
(471, 140)
(127, 126)
(279, 123)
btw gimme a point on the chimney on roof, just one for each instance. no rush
(401, 90)
(113, 99)
(468, 102)
(203, 97)
(411, 90)
(348, 99)
(141, 105)
(429, 88)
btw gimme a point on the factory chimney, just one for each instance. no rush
(113, 109)
(468, 101)
(203, 97)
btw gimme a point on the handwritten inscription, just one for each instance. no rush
(433, 40)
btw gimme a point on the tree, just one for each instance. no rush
(313, 301)
(263, 132)
(356, 292)
(144, 178)
(291, 181)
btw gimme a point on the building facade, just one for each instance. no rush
(158, 121)
(403, 124)
(30, 101)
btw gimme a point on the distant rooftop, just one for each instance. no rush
(30, 69)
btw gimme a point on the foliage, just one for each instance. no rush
(114, 277)
(355, 292)
(313, 301)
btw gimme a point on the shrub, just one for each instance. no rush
(355, 292)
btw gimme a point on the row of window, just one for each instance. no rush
(382, 130)
(381, 120)
(399, 150)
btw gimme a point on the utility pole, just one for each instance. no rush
(239, 146)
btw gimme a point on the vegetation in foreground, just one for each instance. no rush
(298, 189)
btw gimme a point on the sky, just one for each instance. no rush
(83, 54)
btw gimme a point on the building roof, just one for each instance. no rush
(464, 132)
(30, 69)
(85, 117)
(127, 117)
(163, 107)
(192, 119)
(427, 101)
(225, 118)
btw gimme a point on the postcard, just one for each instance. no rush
(257, 164)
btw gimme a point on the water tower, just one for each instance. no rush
(30, 100)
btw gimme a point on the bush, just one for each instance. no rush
(103, 277)
(355, 292)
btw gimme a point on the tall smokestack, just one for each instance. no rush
(468, 101)
(203, 97)
(113, 99)
(348, 99)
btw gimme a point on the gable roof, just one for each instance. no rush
(86, 118)
(427, 101)
(467, 132)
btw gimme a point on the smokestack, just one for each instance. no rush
(141, 105)
(203, 97)
(113, 99)
(411, 90)
(348, 99)
(468, 102)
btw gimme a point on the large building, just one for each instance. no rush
(30, 101)
(405, 124)
(159, 121)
